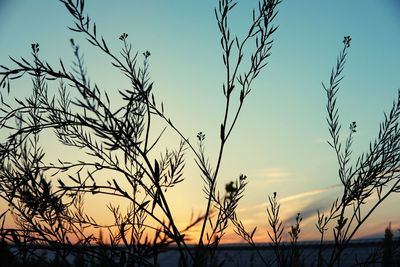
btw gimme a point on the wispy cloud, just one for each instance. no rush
(309, 194)
(275, 172)
(272, 175)
(307, 203)
(311, 201)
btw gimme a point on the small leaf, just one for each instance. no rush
(105, 45)
(156, 172)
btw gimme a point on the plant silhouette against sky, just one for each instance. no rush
(124, 159)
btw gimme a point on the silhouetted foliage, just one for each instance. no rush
(388, 248)
(371, 180)
(46, 200)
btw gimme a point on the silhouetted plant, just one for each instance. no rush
(373, 177)
(283, 255)
(375, 174)
(276, 225)
(294, 234)
(117, 141)
(260, 32)
(388, 248)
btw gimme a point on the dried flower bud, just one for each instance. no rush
(346, 41)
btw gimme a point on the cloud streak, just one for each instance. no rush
(307, 203)
(309, 193)
(272, 175)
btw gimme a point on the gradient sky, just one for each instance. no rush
(280, 139)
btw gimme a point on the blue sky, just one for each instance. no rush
(280, 139)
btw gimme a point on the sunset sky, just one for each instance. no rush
(280, 139)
